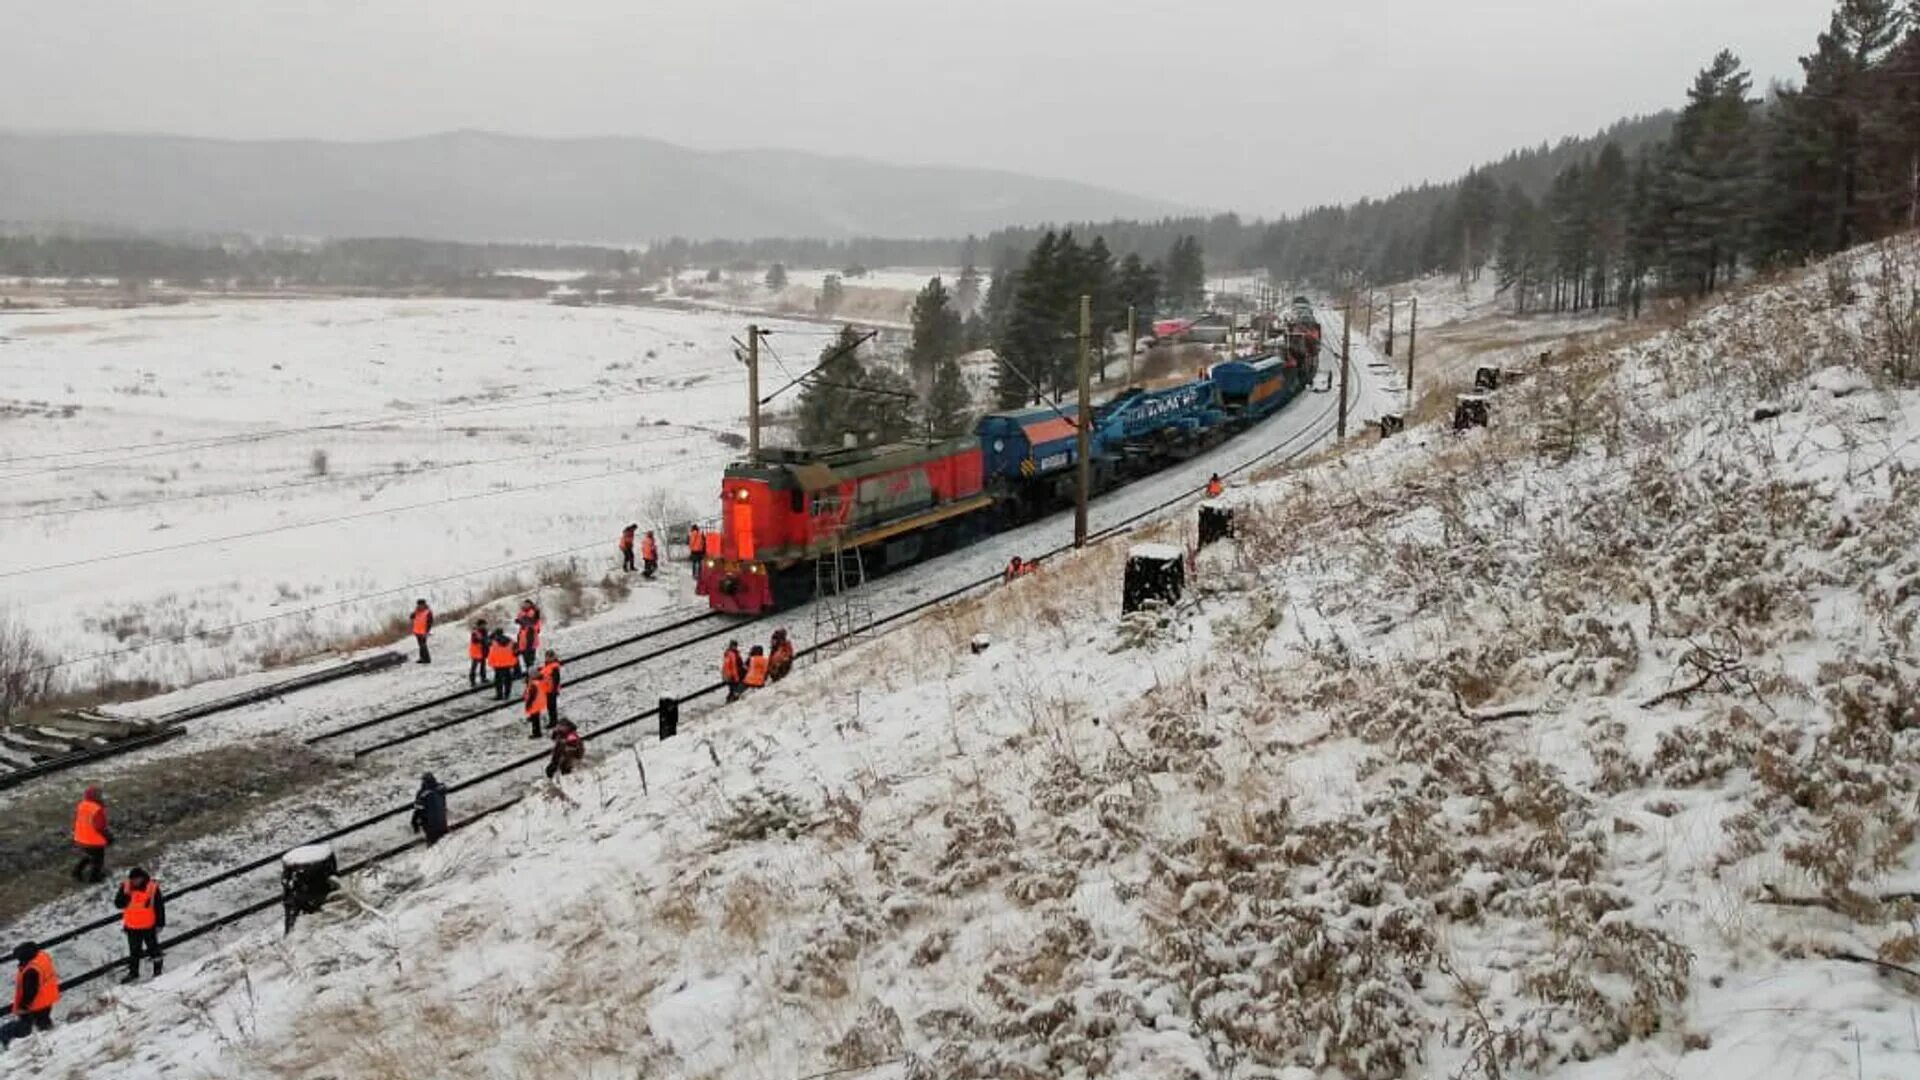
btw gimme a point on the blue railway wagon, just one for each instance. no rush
(1254, 388)
(1025, 444)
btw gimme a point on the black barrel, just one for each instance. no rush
(1392, 424)
(1486, 379)
(306, 879)
(1216, 523)
(669, 717)
(1469, 411)
(1154, 572)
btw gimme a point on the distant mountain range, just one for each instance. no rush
(471, 185)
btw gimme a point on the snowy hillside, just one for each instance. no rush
(1580, 745)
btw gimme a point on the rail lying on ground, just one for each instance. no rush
(1308, 431)
(97, 736)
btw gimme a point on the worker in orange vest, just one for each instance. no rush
(143, 914)
(732, 672)
(696, 546)
(500, 660)
(626, 547)
(35, 990)
(536, 699)
(526, 639)
(756, 668)
(550, 671)
(422, 624)
(1215, 487)
(91, 836)
(649, 555)
(477, 652)
(779, 656)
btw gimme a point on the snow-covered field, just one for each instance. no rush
(170, 472)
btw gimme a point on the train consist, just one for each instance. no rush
(786, 510)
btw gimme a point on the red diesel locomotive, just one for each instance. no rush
(780, 514)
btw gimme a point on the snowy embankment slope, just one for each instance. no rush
(1582, 745)
(170, 472)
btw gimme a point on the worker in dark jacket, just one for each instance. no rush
(422, 622)
(143, 914)
(430, 808)
(35, 989)
(779, 656)
(477, 653)
(91, 836)
(568, 749)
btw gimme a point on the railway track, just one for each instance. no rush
(682, 633)
(370, 853)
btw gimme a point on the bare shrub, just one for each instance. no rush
(26, 671)
(1893, 331)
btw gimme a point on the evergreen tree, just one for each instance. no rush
(1518, 261)
(1139, 286)
(1024, 342)
(831, 295)
(966, 291)
(776, 277)
(1185, 276)
(936, 332)
(949, 406)
(826, 412)
(844, 396)
(1709, 226)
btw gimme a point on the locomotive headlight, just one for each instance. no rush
(741, 494)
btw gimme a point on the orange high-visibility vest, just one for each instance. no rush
(49, 991)
(90, 824)
(695, 542)
(647, 551)
(550, 671)
(500, 655)
(476, 645)
(138, 914)
(757, 670)
(730, 667)
(421, 619)
(626, 540)
(1214, 488)
(536, 696)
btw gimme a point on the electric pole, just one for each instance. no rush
(1132, 339)
(1413, 335)
(753, 392)
(1391, 308)
(1346, 350)
(1369, 314)
(1083, 437)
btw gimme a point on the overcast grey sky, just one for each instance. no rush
(1261, 106)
